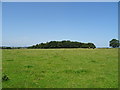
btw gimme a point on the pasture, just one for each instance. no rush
(60, 68)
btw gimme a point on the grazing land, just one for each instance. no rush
(60, 68)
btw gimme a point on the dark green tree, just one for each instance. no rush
(114, 43)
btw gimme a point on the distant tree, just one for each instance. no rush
(114, 43)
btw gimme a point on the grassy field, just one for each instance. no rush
(60, 68)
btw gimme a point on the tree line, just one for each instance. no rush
(114, 43)
(4, 47)
(63, 44)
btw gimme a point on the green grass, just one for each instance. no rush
(60, 68)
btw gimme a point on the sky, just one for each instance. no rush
(60, 0)
(30, 23)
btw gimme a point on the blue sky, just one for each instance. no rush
(29, 23)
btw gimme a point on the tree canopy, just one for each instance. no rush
(63, 44)
(114, 43)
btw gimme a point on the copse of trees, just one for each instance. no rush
(63, 44)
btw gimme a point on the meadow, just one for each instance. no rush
(60, 68)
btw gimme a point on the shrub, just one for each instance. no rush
(5, 78)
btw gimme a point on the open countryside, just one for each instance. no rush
(59, 45)
(61, 68)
